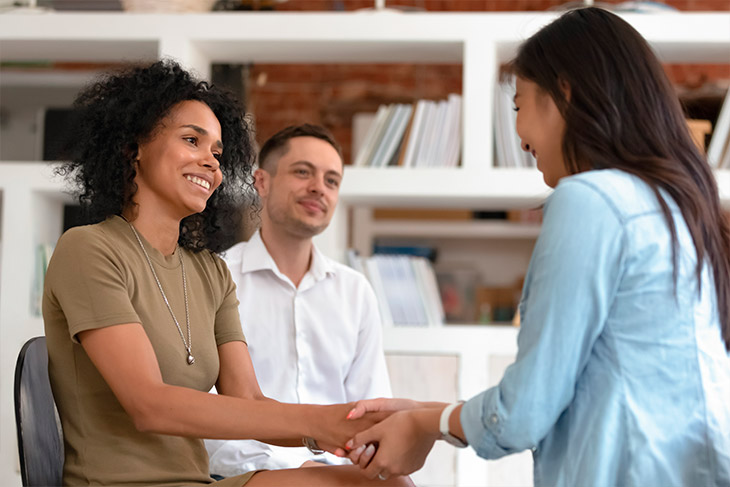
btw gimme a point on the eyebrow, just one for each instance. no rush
(202, 131)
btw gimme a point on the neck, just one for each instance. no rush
(162, 233)
(292, 255)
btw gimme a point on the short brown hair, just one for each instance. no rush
(280, 141)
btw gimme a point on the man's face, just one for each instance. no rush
(301, 194)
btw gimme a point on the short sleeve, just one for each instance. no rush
(87, 283)
(227, 320)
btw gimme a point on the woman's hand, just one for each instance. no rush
(403, 442)
(333, 426)
(381, 404)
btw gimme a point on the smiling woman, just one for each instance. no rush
(541, 126)
(141, 314)
(121, 114)
(177, 169)
(622, 374)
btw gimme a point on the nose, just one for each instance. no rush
(211, 163)
(316, 186)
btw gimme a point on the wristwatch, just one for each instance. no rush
(312, 445)
(444, 427)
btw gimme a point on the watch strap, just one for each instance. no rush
(444, 426)
(312, 445)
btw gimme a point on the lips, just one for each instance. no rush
(312, 205)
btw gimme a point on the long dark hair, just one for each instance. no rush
(121, 110)
(624, 114)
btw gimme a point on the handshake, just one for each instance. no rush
(387, 437)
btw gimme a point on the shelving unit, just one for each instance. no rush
(32, 200)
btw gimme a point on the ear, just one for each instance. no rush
(565, 88)
(262, 182)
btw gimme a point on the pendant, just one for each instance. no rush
(191, 359)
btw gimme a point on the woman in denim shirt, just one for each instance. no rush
(622, 375)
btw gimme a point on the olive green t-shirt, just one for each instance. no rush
(98, 277)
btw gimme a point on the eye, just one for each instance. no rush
(333, 182)
(301, 172)
(192, 140)
(218, 156)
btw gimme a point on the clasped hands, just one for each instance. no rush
(392, 436)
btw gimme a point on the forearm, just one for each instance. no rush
(181, 411)
(431, 405)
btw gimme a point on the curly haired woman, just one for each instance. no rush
(140, 313)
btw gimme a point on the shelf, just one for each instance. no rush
(487, 229)
(491, 188)
(444, 188)
(34, 176)
(326, 37)
(43, 78)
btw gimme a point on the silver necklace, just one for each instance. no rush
(189, 343)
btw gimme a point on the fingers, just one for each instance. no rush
(363, 438)
(363, 407)
(354, 454)
(366, 456)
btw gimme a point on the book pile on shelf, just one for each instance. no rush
(424, 134)
(508, 149)
(718, 151)
(406, 288)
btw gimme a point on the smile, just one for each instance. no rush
(312, 205)
(199, 181)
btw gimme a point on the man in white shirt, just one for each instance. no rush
(312, 324)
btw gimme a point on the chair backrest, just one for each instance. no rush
(40, 442)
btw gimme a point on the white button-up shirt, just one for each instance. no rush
(320, 343)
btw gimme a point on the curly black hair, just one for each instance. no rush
(118, 112)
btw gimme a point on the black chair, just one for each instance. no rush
(40, 443)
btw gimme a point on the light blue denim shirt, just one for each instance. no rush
(618, 381)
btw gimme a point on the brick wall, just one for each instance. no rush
(329, 94)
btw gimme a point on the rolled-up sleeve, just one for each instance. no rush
(569, 288)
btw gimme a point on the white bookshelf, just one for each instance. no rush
(32, 201)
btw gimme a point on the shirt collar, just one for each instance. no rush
(257, 258)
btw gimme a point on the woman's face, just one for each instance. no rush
(178, 166)
(540, 126)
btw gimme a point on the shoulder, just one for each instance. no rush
(209, 260)
(82, 239)
(234, 255)
(350, 279)
(610, 191)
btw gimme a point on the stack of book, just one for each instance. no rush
(508, 150)
(405, 286)
(718, 151)
(425, 134)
